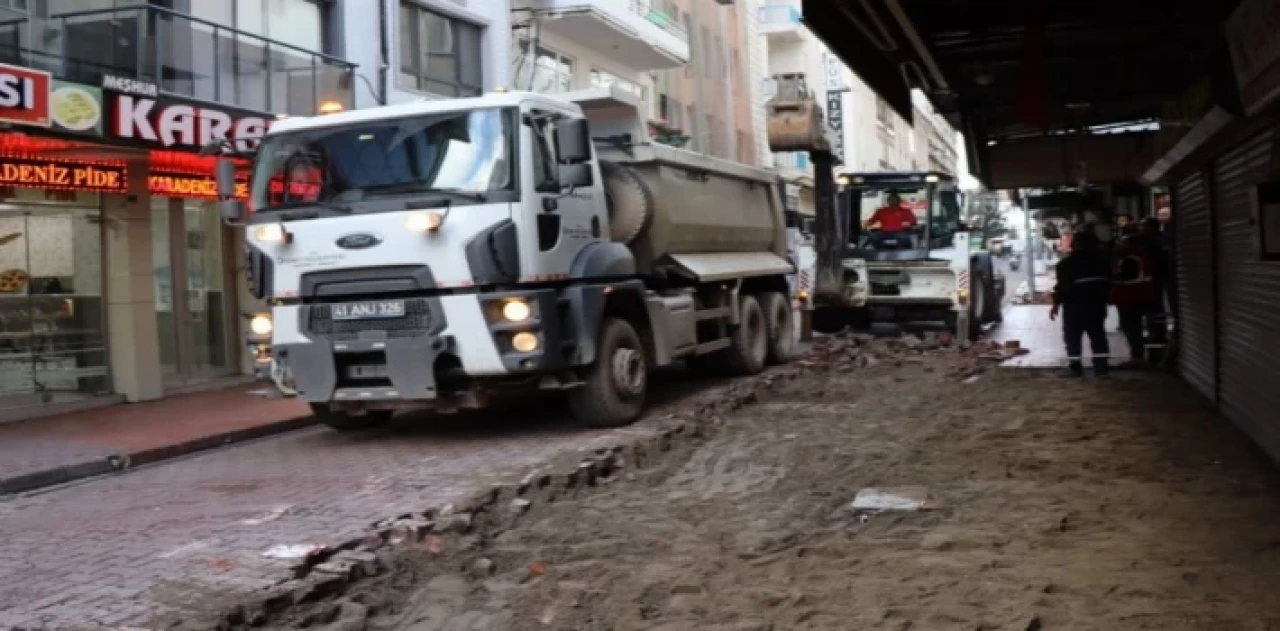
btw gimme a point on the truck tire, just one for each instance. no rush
(749, 347)
(779, 323)
(977, 306)
(614, 392)
(343, 422)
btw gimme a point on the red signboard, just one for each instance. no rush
(24, 96)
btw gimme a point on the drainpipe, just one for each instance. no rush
(384, 62)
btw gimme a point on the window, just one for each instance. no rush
(707, 56)
(551, 71)
(882, 113)
(545, 170)
(603, 79)
(719, 70)
(438, 54)
(295, 22)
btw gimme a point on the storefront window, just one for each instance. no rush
(52, 339)
(192, 310)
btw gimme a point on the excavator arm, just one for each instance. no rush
(797, 124)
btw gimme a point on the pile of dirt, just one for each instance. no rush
(1020, 504)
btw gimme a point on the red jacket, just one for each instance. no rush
(1133, 280)
(893, 218)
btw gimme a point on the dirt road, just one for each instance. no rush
(1052, 504)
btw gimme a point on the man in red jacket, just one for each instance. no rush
(893, 220)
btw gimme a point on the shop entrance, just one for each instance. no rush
(52, 343)
(193, 307)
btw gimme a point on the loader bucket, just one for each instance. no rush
(795, 126)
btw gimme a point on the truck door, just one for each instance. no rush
(563, 221)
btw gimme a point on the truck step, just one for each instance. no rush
(713, 346)
(713, 314)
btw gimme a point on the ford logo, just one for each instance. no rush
(358, 241)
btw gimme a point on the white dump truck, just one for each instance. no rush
(439, 254)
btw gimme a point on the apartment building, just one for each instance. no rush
(414, 49)
(688, 60)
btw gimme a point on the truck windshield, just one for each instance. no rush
(464, 155)
(936, 209)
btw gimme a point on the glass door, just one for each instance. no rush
(192, 303)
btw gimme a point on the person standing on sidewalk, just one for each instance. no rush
(1133, 292)
(1157, 324)
(1081, 297)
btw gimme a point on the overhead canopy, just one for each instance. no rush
(1002, 70)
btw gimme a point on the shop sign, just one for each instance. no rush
(1255, 52)
(24, 96)
(189, 186)
(141, 114)
(835, 119)
(49, 174)
(76, 108)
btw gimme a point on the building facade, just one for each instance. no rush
(413, 49)
(689, 61)
(119, 281)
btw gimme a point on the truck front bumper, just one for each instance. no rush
(380, 361)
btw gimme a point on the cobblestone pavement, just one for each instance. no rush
(171, 538)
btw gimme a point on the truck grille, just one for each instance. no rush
(416, 322)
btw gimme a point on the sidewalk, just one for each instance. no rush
(1031, 327)
(47, 451)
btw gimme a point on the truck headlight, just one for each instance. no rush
(516, 310)
(272, 233)
(261, 325)
(524, 342)
(423, 222)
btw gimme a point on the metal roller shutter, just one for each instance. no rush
(1195, 317)
(1249, 298)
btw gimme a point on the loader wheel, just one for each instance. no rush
(344, 422)
(614, 392)
(977, 306)
(749, 349)
(779, 323)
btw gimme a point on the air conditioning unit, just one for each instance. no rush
(724, 2)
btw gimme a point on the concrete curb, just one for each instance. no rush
(124, 462)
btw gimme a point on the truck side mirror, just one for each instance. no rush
(573, 141)
(575, 175)
(225, 172)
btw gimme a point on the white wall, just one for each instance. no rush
(757, 69)
(361, 42)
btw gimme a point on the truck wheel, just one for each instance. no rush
(977, 307)
(779, 323)
(615, 387)
(343, 422)
(749, 349)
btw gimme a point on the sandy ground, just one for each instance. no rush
(1052, 504)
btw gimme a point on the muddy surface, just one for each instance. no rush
(1050, 504)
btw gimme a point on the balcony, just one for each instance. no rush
(184, 55)
(633, 32)
(782, 23)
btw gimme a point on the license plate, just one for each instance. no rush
(370, 310)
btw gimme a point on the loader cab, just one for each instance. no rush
(933, 198)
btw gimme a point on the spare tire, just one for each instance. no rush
(629, 200)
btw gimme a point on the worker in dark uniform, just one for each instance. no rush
(1153, 246)
(1081, 296)
(1133, 292)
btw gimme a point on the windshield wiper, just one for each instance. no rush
(417, 187)
(307, 210)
